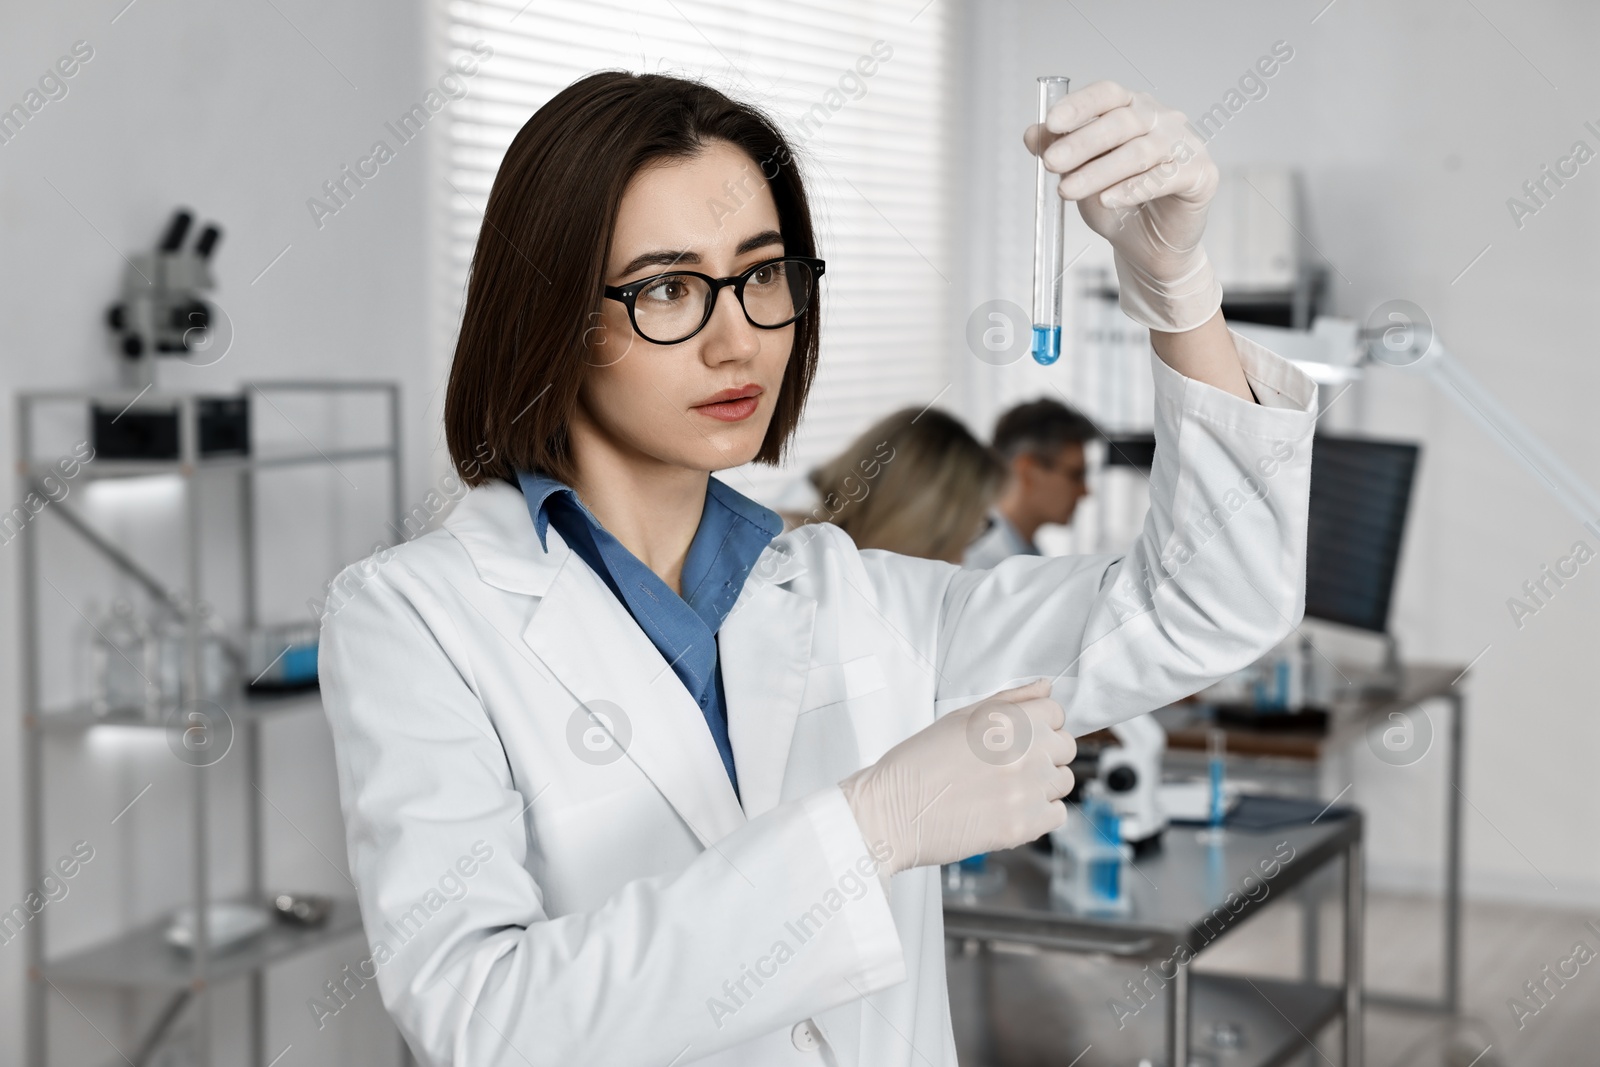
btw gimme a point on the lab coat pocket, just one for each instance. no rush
(832, 683)
(826, 745)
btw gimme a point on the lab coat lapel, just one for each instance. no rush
(597, 651)
(765, 646)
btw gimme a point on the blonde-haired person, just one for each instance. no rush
(915, 482)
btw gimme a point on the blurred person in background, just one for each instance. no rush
(1042, 444)
(915, 482)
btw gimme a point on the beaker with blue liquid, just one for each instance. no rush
(973, 877)
(1088, 860)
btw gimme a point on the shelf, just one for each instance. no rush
(1276, 1018)
(245, 709)
(101, 469)
(143, 958)
(122, 395)
(1009, 1010)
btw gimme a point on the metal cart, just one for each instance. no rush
(1026, 1006)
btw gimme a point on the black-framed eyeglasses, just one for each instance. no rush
(667, 309)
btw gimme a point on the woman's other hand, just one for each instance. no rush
(987, 776)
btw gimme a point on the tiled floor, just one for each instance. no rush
(1504, 946)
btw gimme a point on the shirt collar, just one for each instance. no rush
(537, 489)
(734, 530)
(763, 518)
(1019, 545)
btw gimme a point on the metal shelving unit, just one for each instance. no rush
(141, 959)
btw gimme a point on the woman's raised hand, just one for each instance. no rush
(1142, 179)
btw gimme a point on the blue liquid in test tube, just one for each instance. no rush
(1046, 344)
(1049, 241)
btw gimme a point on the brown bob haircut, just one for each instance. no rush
(537, 273)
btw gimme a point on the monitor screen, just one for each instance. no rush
(1131, 450)
(1360, 492)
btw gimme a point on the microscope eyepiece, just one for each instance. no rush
(177, 230)
(208, 241)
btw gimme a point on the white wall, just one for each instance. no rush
(240, 111)
(1412, 123)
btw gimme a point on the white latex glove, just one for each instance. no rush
(1142, 180)
(987, 776)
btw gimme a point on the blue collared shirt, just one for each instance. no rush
(733, 532)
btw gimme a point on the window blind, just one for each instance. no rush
(873, 150)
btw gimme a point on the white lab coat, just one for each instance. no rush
(529, 903)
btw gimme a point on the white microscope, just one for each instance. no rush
(1129, 776)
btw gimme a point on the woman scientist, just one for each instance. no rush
(628, 779)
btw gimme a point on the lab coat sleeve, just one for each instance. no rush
(473, 969)
(1215, 578)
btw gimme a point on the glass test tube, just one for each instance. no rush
(1216, 751)
(1049, 241)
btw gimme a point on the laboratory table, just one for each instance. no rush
(1185, 896)
(1355, 712)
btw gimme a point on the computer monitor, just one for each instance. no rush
(1136, 450)
(1360, 493)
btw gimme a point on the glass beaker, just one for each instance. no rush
(1087, 860)
(121, 662)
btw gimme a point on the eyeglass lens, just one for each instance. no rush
(673, 307)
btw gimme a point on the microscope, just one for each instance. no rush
(161, 312)
(1130, 775)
